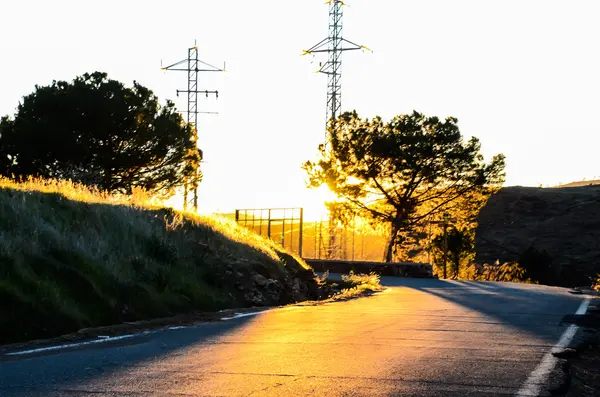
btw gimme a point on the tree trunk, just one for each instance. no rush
(389, 249)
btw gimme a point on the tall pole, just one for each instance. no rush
(445, 247)
(335, 44)
(301, 231)
(192, 62)
(445, 222)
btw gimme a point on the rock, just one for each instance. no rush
(260, 280)
(255, 298)
(565, 353)
(273, 285)
(296, 287)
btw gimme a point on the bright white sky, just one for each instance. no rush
(521, 75)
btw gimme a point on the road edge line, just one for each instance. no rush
(538, 377)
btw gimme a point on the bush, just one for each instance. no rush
(538, 266)
(508, 272)
(354, 279)
(358, 284)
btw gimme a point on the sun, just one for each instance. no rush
(313, 201)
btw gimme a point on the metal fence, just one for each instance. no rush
(315, 239)
(283, 225)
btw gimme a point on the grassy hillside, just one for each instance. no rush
(71, 257)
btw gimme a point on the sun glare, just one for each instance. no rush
(313, 202)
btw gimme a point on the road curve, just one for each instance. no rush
(419, 338)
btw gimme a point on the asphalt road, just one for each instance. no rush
(420, 338)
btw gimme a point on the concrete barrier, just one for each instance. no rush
(399, 269)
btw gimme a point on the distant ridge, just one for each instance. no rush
(581, 183)
(559, 227)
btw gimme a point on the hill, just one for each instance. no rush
(72, 257)
(592, 182)
(555, 232)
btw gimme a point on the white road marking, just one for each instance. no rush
(537, 379)
(584, 306)
(102, 339)
(105, 339)
(240, 315)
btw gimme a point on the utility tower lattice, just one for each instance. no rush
(191, 66)
(334, 45)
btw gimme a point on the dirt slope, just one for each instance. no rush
(563, 223)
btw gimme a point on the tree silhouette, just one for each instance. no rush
(403, 172)
(96, 131)
(460, 249)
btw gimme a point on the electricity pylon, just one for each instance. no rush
(192, 61)
(335, 44)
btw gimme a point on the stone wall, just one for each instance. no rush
(402, 269)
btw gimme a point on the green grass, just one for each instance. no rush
(73, 257)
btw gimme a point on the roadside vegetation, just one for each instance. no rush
(352, 285)
(97, 131)
(508, 272)
(460, 255)
(74, 257)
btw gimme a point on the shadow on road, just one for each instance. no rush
(209, 355)
(530, 308)
(64, 370)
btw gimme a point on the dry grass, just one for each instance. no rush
(507, 272)
(72, 257)
(359, 284)
(126, 206)
(371, 280)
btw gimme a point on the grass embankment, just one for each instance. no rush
(72, 257)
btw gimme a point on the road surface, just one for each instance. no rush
(420, 338)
